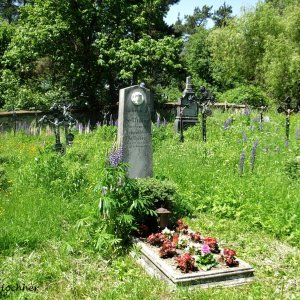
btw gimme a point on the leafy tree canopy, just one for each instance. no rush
(90, 49)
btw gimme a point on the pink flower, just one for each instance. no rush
(205, 249)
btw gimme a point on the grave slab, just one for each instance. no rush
(217, 277)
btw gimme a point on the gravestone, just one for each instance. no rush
(134, 130)
(187, 108)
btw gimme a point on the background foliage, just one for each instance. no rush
(84, 51)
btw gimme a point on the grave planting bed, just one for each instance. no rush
(199, 262)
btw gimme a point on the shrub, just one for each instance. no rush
(4, 184)
(292, 168)
(162, 192)
(249, 95)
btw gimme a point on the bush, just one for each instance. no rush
(249, 95)
(4, 184)
(162, 192)
(292, 168)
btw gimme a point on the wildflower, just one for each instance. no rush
(165, 122)
(247, 111)
(242, 162)
(115, 157)
(158, 120)
(245, 137)
(297, 133)
(253, 155)
(111, 121)
(228, 122)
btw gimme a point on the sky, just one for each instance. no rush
(186, 7)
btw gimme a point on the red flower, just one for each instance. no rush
(212, 243)
(156, 239)
(186, 263)
(167, 249)
(182, 226)
(196, 237)
(228, 256)
(175, 239)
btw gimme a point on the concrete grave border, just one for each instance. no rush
(225, 277)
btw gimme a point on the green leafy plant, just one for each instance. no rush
(292, 168)
(206, 260)
(162, 192)
(121, 204)
(4, 183)
(55, 172)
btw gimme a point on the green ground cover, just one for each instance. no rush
(49, 218)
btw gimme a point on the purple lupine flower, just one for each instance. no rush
(87, 128)
(205, 249)
(165, 122)
(158, 121)
(244, 137)
(298, 133)
(253, 155)
(286, 143)
(115, 157)
(228, 122)
(247, 111)
(242, 162)
(80, 128)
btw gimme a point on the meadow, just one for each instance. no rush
(241, 186)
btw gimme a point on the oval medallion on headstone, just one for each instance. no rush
(137, 98)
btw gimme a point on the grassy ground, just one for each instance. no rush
(48, 205)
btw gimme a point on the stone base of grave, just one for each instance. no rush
(218, 277)
(186, 121)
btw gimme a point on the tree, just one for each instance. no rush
(192, 22)
(222, 15)
(197, 55)
(9, 9)
(238, 49)
(91, 48)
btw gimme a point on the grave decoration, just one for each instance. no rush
(185, 257)
(206, 99)
(60, 116)
(287, 108)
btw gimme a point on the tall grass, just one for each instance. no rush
(48, 210)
